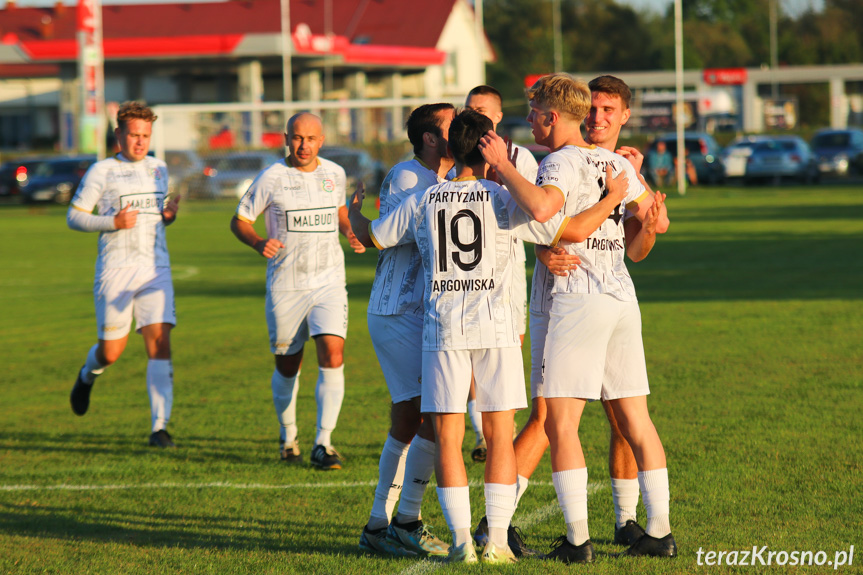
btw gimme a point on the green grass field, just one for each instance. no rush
(752, 323)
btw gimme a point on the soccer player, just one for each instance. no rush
(466, 231)
(487, 101)
(395, 315)
(303, 198)
(594, 321)
(133, 271)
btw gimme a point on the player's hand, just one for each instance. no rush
(269, 248)
(355, 243)
(557, 260)
(356, 203)
(494, 150)
(617, 186)
(169, 212)
(125, 219)
(511, 151)
(634, 156)
(652, 215)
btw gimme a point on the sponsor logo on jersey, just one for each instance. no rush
(144, 203)
(603, 244)
(315, 220)
(328, 185)
(484, 284)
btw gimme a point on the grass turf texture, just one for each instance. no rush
(752, 323)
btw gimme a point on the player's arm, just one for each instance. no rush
(541, 203)
(640, 241)
(169, 212)
(582, 225)
(346, 228)
(641, 209)
(357, 220)
(386, 232)
(245, 232)
(80, 216)
(556, 259)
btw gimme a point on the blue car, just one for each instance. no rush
(53, 179)
(839, 152)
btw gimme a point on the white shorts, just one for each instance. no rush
(294, 316)
(147, 293)
(519, 295)
(538, 331)
(398, 341)
(499, 375)
(594, 348)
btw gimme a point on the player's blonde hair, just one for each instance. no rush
(562, 93)
(134, 111)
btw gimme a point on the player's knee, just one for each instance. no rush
(537, 412)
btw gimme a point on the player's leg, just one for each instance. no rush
(112, 295)
(624, 483)
(480, 450)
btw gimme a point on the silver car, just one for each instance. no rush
(230, 175)
(770, 158)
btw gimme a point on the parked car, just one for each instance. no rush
(229, 175)
(53, 179)
(12, 173)
(702, 150)
(839, 152)
(771, 158)
(184, 168)
(359, 166)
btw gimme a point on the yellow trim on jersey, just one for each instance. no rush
(637, 200)
(82, 209)
(549, 186)
(242, 219)
(559, 233)
(372, 236)
(464, 179)
(423, 164)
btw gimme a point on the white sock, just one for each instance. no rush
(92, 367)
(455, 504)
(624, 493)
(391, 475)
(285, 401)
(656, 495)
(475, 419)
(522, 482)
(329, 392)
(499, 508)
(571, 488)
(419, 466)
(160, 387)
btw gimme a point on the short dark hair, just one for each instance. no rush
(612, 86)
(424, 119)
(134, 111)
(464, 134)
(484, 90)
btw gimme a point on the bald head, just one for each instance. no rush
(304, 137)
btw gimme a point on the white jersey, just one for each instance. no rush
(579, 172)
(398, 288)
(302, 210)
(114, 183)
(466, 231)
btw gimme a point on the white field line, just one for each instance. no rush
(181, 273)
(212, 485)
(525, 522)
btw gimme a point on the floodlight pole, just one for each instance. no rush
(558, 42)
(287, 48)
(480, 37)
(678, 81)
(774, 56)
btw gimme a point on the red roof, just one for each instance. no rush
(365, 27)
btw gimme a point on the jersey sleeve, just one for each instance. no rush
(395, 228)
(256, 199)
(89, 190)
(636, 192)
(556, 172)
(528, 229)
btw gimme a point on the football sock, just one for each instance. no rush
(391, 475)
(455, 504)
(285, 401)
(419, 466)
(92, 367)
(656, 495)
(571, 488)
(499, 508)
(522, 483)
(475, 419)
(329, 392)
(624, 493)
(160, 387)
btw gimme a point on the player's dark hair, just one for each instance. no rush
(613, 87)
(484, 90)
(464, 134)
(425, 119)
(134, 111)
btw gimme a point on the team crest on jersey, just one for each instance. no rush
(328, 185)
